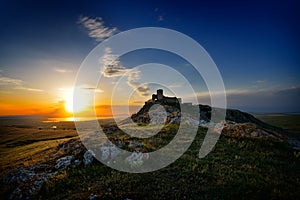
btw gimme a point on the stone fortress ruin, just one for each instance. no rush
(173, 106)
(169, 111)
(160, 98)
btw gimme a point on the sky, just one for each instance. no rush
(255, 45)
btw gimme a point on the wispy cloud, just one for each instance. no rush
(17, 84)
(261, 81)
(227, 92)
(114, 68)
(176, 85)
(62, 70)
(28, 89)
(6, 81)
(134, 81)
(112, 65)
(93, 89)
(262, 100)
(96, 28)
(82, 87)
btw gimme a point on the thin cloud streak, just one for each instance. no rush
(7, 81)
(112, 65)
(17, 84)
(133, 81)
(29, 89)
(62, 70)
(97, 90)
(114, 68)
(96, 28)
(264, 100)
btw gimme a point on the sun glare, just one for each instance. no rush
(82, 101)
(69, 103)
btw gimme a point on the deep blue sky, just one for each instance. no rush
(255, 44)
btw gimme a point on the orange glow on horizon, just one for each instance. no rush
(55, 105)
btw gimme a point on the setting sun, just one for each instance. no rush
(69, 104)
(82, 100)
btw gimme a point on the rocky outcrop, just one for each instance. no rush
(173, 115)
(248, 130)
(236, 124)
(27, 181)
(73, 146)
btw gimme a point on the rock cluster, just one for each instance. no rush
(28, 181)
(238, 124)
(72, 146)
(248, 130)
(169, 114)
(137, 158)
(64, 162)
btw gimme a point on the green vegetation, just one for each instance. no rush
(243, 168)
(29, 146)
(289, 122)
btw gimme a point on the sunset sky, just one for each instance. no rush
(255, 45)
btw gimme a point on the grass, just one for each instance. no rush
(243, 168)
(289, 122)
(29, 146)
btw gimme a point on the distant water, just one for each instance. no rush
(21, 121)
(38, 121)
(72, 119)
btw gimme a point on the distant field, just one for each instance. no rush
(29, 141)
(29, 146)
(289, 122)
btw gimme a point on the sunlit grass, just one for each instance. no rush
(29, 146)
(244, 168)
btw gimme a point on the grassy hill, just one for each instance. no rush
(238, 167)
(244, 168)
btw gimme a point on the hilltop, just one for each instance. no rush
(251, 159)
(167, 110)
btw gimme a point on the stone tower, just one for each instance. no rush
(160, 94)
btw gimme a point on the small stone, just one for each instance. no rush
(77, 162)
(88, 157)
(114, 151)
(93, 197)
(105, 152)
(119, 143)
(254, 134)
(135, 159)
